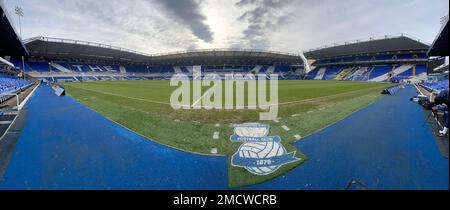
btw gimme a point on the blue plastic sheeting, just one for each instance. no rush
(64, 145)
(393, 90)
(384, 146)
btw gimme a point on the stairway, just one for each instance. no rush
(122, 70)
(271, 69)
(190, 69)
(344, 73)
(177, 70)
(370, 72)
(391, 74)
(401, 70)
(320, 74)
(357, 74)
(395, 72)
(60, 67)
(257, 69)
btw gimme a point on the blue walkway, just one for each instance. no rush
(64, 145)
(384, 146)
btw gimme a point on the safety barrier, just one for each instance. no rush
(392, 90)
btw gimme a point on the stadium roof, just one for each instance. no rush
(54, 48)
(440, 44)
(10, 43)
(73, 49)
(392, 44)
(228, 57)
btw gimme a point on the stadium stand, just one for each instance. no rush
(397, 44)
(92, 72)
(378, 73)
(439, 50)
(65, 60)
(44, 67)
(436, 86)
(38, 67)
(383, 59)
(10, 45)
(360, 73)
(9, 84)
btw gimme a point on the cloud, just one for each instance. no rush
(159, 26)
(188, 12)
(140, 25)
(262, 16)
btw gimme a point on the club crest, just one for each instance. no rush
(260, 154)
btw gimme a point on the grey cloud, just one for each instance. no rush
(262, 16)
(133, 23)
(188, 12)
(156, 26)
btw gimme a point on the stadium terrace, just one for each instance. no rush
(388, 58)
(363, 114)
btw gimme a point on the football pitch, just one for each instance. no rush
(144, 107)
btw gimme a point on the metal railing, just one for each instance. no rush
(5, 96)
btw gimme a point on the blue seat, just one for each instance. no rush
(380, 70)
(436, 86)
(9, 84)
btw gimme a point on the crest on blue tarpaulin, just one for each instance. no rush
(259, 154)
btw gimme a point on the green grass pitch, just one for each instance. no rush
(143, 107)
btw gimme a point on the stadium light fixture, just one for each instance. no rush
(19, 12)
(444, 19)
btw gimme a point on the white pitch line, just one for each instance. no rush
(194, 105)
(286, 128)
(216, 135)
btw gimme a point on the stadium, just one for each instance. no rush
(76, 114)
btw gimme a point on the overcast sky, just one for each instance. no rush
(158, 26)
